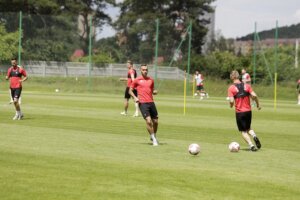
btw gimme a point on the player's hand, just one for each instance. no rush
(136, 100)
(155, 92)
(258, 108)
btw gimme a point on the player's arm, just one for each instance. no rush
(24, 79)
(133, 95)
(255, 98)
(8, 74)
(231, 102)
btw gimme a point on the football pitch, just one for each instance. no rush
(78, 146)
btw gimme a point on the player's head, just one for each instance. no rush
(144, 70)
(234, 75)
(196, 72)
(243, 71)
(13, 62)
(129, 64)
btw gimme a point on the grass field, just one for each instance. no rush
(77, 146)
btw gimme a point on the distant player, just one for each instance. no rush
(145, 89)
(246, 77)
(131, 75)
(16, 75)
(298, 89)
(200, 86)
(239, 94)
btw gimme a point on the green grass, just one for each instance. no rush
(77, 146)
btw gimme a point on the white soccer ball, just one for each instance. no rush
(194, 149)
(56, 90)
(227, 98)
(196, 94)
(234, 147)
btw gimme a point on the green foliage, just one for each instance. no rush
(292, 31)
(8, 44)
(137, 24)
(98, 59)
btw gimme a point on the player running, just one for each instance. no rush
(145, 89)
(246, 77)
(239, 94)
(131, 75)
(200, 86)
(17, 75)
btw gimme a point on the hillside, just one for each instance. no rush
(290, 32)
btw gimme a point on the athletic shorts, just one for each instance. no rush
(200, 87)
(243, 120)
(148, 109)
(15, 92)
(127, 95)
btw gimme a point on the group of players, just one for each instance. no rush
(141, 89)
(240, 93)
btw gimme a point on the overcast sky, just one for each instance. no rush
(236, 18)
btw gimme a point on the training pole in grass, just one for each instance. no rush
(156, 52)
(20, 38)
(254, 53)
(90, 50)
(275, 66)
(184, 93)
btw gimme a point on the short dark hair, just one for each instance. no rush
(130, 62)
(14, 58)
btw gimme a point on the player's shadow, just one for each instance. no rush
(150, 143)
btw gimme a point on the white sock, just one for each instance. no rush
(152, 135)
(18, 112)
(136, 108)
(252, 133)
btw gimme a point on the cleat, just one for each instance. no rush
(135, 115)
(20, 117)
(16, 117)
(257, 142)
(123, 113)
(155, 143)
(253, 148)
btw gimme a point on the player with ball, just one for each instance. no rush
(239, 95)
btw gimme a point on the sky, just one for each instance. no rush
(236, 18)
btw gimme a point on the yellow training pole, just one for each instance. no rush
(275, 91)
(184, 93)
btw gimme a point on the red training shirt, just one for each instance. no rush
(15, 75)
(144, 87)
(242, 104)
(129, 73)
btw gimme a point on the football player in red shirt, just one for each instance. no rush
(131, 75)
(145, 89)
(16, 75)
(246, 77)
(239, 95)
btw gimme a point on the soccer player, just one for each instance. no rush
(131, 75)
(145, 89)
(298, 89)
(16, 75)
(200, 86)
(239, 95)
(245, 77)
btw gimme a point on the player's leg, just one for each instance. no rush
(145, 110)
(255, 138)
(243, 126)
(17, 94)
(10, 95)
(299, 98)
(126, 101)
(136, 105)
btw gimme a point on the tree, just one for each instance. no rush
(50, 26)
(8, 44)
(137, 24)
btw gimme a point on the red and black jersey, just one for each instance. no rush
(241, 93)
(15, 75)
(129, 73)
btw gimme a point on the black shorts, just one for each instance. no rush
(148, 109)
(200, 87)
(243, 120)
(15, 92)
(127, 95)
